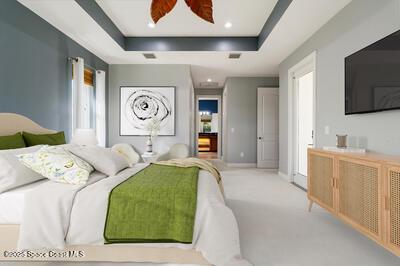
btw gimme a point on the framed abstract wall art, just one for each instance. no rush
(140, 106)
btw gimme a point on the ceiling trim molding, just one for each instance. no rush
(252, 43)
(191, 43)
(273, 19)
(101, 18)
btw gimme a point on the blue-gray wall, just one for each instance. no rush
(240, 114)
(34, 72)
(359, 24)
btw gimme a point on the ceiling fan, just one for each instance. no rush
(202, 8)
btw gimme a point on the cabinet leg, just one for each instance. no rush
(310, 203)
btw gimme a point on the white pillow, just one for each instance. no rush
(102, 159)
(13, 173)
(126, 151)
(58, 165)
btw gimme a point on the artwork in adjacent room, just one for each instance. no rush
(141, 105)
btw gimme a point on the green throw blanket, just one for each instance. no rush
(156, 205)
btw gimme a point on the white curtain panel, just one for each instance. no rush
(77, 91)
(101, 107)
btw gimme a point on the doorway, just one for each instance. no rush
(303, 88)
(268, 128)
(208, 127)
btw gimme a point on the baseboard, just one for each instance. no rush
(242, 165)
(285, 176)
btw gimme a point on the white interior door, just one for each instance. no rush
(268, 128)
(304, 89)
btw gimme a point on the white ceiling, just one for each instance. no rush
(132, 17)
(300, 21)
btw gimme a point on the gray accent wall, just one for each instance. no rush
(359, 24)
(152, 75)
(34, 72)
(240, 97)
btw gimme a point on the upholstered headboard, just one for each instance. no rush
(14, 123)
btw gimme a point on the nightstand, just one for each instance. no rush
(150, 157)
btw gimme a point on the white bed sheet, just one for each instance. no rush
(56, 215)
(12, 202)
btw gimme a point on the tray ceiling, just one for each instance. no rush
(299, 22)
(132, 18)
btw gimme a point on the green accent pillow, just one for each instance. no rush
(15, 141)
(49, 139)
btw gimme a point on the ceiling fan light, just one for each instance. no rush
(151, 25)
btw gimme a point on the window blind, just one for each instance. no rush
(88, 77)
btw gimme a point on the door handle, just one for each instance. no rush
(260, 138)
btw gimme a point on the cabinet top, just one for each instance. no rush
(368, 156)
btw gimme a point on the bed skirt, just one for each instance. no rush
(99, 253)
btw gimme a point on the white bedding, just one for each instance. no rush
(58, 214)
(12, 203)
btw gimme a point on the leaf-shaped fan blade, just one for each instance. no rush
(202, 8)
(159, 8)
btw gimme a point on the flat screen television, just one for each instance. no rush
(372, 77)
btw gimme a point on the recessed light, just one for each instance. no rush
(209, 80)
(228, 25)
(151, 25)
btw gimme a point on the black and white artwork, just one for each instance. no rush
(142, 105)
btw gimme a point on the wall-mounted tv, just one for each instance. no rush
(372, 77)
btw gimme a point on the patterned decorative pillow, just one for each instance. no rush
(57, 164)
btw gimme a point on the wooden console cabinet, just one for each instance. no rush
(361, 189)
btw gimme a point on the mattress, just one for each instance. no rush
(12, 203)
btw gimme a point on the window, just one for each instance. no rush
(89, 100)
(85, 101)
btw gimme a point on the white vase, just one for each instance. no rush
(149, 144)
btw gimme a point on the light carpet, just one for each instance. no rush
(276, 229)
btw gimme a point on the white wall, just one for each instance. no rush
(152, 75)
(359, 24)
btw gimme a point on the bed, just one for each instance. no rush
(215, 239)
